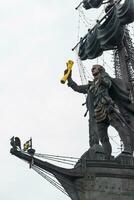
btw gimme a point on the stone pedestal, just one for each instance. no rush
(105, 179)
(93, 177)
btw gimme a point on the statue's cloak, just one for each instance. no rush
(120, 94)
(123, 98)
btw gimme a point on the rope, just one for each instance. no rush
(81, 68)
(39, 155)
(105, 63)
(60, 159)
(47, 175)
(84, 18)
(49, 179)
(114, 141)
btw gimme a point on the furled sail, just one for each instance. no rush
(90, 48)
(87, 4)
(107, 34)
(110, 32)
(125, 12)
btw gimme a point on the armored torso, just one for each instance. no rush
(99, 102)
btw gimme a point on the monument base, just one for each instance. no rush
(105, 179)
(105, 182)
(93, 177)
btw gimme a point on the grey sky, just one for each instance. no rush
(36, 38)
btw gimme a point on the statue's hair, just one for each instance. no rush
(102, 70)
(100, 67)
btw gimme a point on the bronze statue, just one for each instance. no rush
(108, 104)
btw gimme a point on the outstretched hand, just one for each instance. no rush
(70, 74)
(67, 72)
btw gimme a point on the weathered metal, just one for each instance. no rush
(92, 179)
(107, 34)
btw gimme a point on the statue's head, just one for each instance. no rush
(96, 69)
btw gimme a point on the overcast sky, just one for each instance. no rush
(36, 38)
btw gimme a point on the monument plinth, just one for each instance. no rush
(92, 178)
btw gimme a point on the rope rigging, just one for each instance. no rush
(51, 179)
(111, 137)
(44, 173)
(60, 159)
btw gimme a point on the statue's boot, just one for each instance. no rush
(107, 149)
(128, 145)
(124, 133)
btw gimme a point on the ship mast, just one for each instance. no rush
(124, 59)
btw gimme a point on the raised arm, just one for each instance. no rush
(78, 88)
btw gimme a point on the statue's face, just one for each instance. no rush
(95, 70)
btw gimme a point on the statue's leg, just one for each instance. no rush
(103, 135)
(123, 131)
(93, 133)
